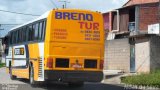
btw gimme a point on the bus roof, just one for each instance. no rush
(39, 18)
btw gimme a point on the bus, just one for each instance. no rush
(65, 45)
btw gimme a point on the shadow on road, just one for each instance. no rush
(64, 86)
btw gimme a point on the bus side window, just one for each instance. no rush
(36, 32)
(40, 31)
(21, 35)
(10, 39)
(33, 28)
(29, 33)
(13, 38)
(25, 34)
(43, 30)
(16, 36)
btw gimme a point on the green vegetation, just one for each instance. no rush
(152, 79)
(2, 65)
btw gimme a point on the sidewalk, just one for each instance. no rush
(113, 76)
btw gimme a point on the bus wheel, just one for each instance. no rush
(10, 73)
(31, 76)
(76, 84)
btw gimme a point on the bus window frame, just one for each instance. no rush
(26, 37)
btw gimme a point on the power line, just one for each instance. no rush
(53, 3)
(65, 3)
(18, 13)
(9, 24)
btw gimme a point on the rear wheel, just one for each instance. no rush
(31, 76)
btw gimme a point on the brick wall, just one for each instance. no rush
(148, 14)
(117, 55)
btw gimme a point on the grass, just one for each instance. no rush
(152, 79)
(2, 65)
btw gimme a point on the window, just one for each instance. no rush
(11, 37)
(36, 32)
(33, 31)
(29, 33)
(19, 36)
(40, 31)
(16, 36)
(25, 34)
(43, 31)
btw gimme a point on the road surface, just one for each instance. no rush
(23, 84)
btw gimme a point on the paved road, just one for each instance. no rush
(22, 84)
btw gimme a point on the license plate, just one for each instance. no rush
(77, 66)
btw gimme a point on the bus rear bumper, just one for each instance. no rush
(74, 76)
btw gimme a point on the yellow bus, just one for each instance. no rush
(65, 45)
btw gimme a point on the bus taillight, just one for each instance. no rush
(101, 64)
(50, 62)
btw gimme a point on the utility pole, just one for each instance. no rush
(65, 3)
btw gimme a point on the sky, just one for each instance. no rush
(38, 7)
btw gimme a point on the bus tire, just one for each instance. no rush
(10, 73)
(31, 76)
(75, 84)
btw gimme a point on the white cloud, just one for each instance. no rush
(116, 2)
(96, 5)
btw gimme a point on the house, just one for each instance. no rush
(129, 46)
(134, 16)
